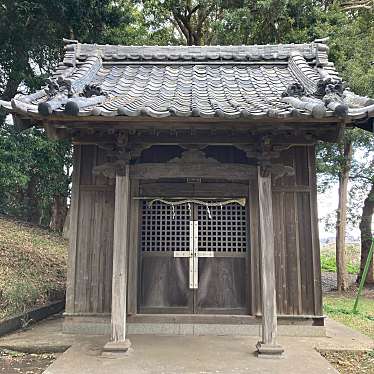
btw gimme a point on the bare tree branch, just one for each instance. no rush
(357, 4)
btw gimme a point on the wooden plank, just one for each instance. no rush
(84, 250)
(290, 228)
(107, 252)
(88, 162)
(292, 188)
(203, 189)
(92, 187)
(280, 256)
(120, 254)
(254, 268)
(144, 122)
(74, 212)
(269, 312)
(301, 166)
(95, 249)
(133, 250)
(306, 253)
(299, 225)
(170, 170)
(317, 287)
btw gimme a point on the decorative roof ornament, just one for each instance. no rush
(331, 92)
(294, 90)
(90, 90)
(327, 86)
(296, 96)
(60, 85)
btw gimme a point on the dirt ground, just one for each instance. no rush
(367, 292)
(23, 363)
(351, 362)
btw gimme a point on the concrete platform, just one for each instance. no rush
(43, 337)
(187, 355)
(183, 354)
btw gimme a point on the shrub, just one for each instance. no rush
(328, 263)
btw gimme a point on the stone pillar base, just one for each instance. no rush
(269, 350)
(116, 348)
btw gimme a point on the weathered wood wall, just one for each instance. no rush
(92, 248)
(295, 225)
(297, 261)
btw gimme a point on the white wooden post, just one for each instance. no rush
(119, 342)
(268, 347)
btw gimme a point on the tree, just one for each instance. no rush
(366, 234)
(30, 173)
(191, 19)
(334, 162)
(345, 162)
(225, 22)
(351, 48)
(34, 175)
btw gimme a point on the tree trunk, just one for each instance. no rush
(31, 202)
(341, 219)
(66, 229)
(59, 210)
(366, 235)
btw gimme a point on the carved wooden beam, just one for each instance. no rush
(265, 152)
(110, 169)
(298, 135)
(192, 164)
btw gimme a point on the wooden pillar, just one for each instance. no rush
(268, 346)
(73, 231)
(119, 342)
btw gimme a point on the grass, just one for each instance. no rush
(328, 260)
(32, 266)
(339, 308)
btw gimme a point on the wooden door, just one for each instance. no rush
(193, 259)
(164, 278)
(222, 287)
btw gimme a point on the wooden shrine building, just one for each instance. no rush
(194, 187)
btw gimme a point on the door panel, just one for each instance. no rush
(164, 286)
(222, 285)
(222, 278)
(209, 242)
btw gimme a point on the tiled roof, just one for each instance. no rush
(276, 81)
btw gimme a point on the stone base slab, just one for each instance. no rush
(116, 348)
(100, 325)
(274, 351)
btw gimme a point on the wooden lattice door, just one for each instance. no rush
(193, 258)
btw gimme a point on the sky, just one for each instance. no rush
(327, 204)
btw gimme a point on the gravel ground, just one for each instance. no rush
(329, 281)
(351, 362)
(23, 363)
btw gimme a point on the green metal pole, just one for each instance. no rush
(364, 274)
